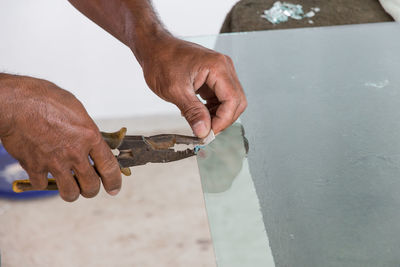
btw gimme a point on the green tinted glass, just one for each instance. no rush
(320, 184)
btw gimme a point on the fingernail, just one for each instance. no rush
(114, 192)
(200, 129)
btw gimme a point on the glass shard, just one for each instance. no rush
(281, 12)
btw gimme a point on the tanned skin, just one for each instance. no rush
(49, 131)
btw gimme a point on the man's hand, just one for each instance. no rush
(177, 70)
(174, 69)
(49, 131)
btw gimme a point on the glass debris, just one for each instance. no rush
(316, 9)
(197, 148)
(281, 12)
(309, 14)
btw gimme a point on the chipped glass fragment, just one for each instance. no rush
(281, 12)
(309, 14)
(197, 148)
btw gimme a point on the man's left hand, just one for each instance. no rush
(177, 71)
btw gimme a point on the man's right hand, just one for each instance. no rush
(49, 131)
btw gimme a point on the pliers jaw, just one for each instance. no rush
(140, 150)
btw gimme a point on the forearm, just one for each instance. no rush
(174, 69)
(6, 100)
(133, 22)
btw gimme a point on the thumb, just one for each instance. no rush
(196, 114)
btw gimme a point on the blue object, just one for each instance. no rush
(197, 148)
(10, 170)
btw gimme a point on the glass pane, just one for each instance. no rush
(324, 150)
(233, 208)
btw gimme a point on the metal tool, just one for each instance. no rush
(136, 150)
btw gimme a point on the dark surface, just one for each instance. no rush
(323, 128)
(246, 14)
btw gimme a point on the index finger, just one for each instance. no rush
(107, 166)
(233, 101)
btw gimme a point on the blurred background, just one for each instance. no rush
(159, 218)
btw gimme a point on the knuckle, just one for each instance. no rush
(93, 135)
(82, 168)
(244, 104)
(55, 164)
(111, 173)
(192, 112)
(74, 156)
(234, 96)
(110, 163)
(221, 57)
(236, 101)
(228, 59)
(114, 182)
(220, 65)
(223, 61)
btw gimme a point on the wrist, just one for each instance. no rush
(148, 41)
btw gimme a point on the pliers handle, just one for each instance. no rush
(136, 150)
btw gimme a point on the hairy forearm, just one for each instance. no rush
(133, 22)
(176, 70)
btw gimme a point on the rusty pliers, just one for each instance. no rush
(135, 150)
